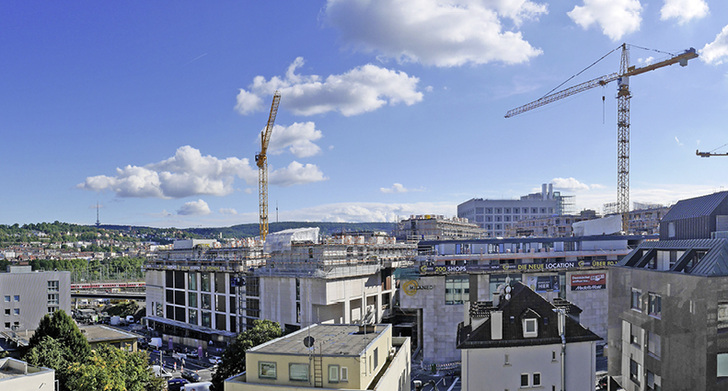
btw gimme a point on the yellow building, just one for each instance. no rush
(330, 357)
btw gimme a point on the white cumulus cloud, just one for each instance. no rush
(188, 173)
(228, 211)
(360, 90)
(369, 211)
(396, 188)
(717, 51)
(194, 208)
(615, 17)
(569, 184)
(296, 174)
(683, 10)
(442, 33)
(297, 138)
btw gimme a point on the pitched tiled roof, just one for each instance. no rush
(524, 303)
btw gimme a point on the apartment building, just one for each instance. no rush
(668, 303)
(26, 296)
(522, 341)
(436, 227)
(331, 357)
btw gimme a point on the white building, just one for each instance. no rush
(17, 375)
(524, 341)
(26, 296)
(437, 227)
(498, 217)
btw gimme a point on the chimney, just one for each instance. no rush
(543, 191)
(496, 325)
(551, 191)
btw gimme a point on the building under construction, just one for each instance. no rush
(202, 292)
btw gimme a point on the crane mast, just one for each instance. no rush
(261, 160)
(623, 113)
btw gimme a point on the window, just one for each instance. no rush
(722, 359)
(634, 371)
(530, 329)
(376, 358)
(507, 362)
(53, 299)
(636, 299)
(266, 370)
(344, 374)
(206, 319)
(671, 230)
(654, 307)
(524, 380)
(654, 344)
(205, 282)
(7, 298)
(53, 286)
(52, 309)
(206, 301)
(333, 373)
(192, 281)
(192, 317)
(653, 381)
(7, 325)
(536, 379)
(16, 311)
(220, 279)
(298, 372)
(634, 336)
(16, 298)
(192, 299)
(457, 289)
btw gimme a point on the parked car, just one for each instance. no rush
(176, 384)
(191, 375)
(214, 360)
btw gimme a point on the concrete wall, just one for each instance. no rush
(488, 369)
(687, 327)
(32, 291)
(594, 304)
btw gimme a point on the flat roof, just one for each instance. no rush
(329, 340)
(99, 333)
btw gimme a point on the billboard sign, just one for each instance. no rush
(588, 282)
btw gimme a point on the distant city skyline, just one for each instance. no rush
(154, 113)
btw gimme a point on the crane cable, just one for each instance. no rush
(582, 71)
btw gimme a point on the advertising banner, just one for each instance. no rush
(588, 282)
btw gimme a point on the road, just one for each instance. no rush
(175, 366)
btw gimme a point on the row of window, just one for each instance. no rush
(16, 298)
(531, 380)
(176, 279)
(653, 342)
(301, 371)
(654, 303)
(514, 210)
(635, 374)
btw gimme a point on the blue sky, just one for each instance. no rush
(389, 108)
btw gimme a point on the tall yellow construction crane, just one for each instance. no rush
(261, 160)
(623, 123)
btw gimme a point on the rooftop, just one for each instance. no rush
(100, 333)
(341, 340)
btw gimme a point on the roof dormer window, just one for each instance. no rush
(530, 328)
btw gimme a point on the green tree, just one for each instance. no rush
(112, 369)
(233, 359)
(50, 353)
(63, 329)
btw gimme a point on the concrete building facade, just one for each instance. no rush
(668, 303)
(437, 227)
(449, 274)
(26, 296)
(498, 217)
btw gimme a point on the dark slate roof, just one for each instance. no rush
(524, 303)
(713, 264)
(695, 207)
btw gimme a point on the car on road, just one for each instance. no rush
(176, 384)
(191, 375)
(214, 360)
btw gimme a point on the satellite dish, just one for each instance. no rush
(508, 289)
(508, 296)
(308, 341)
(508, 280)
